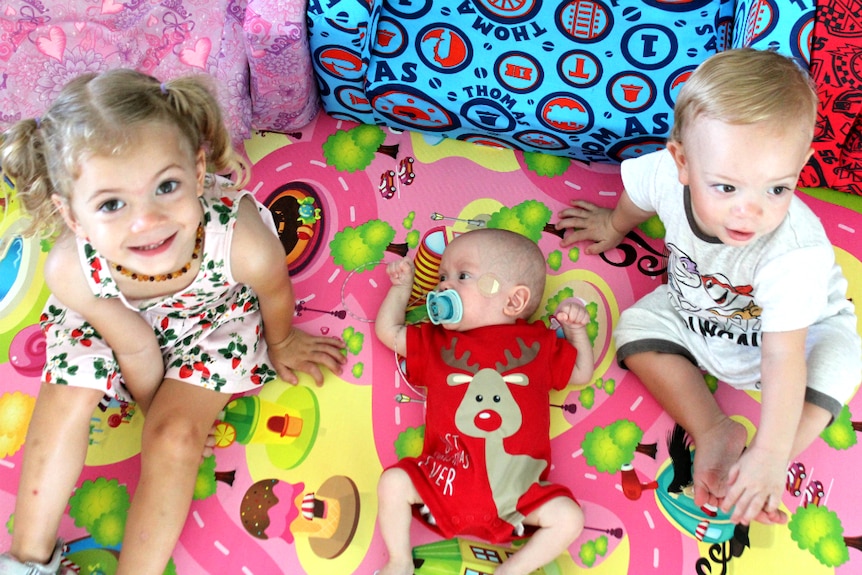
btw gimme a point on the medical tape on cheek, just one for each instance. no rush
(488, 284)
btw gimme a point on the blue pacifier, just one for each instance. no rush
(444, 306)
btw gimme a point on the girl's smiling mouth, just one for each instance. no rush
(154, 248)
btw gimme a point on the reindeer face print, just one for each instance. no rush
(488, 408)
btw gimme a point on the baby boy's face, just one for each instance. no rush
(742, 176)
(465, 270)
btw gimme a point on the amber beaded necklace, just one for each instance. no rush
(199, 240)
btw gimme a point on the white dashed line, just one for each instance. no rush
(649, 520)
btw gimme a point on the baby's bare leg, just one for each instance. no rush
(679, 387)
(560, 521)
(396, 496)
(813, 421)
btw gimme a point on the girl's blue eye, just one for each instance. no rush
(778, 190)
(111, 206)
(167, 187)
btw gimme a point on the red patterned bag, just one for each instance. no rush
(836, 67)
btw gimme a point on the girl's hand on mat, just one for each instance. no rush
(304, 352)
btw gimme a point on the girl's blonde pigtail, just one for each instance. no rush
(22, 160)
(194, 99)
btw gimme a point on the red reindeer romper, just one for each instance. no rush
(455, 473)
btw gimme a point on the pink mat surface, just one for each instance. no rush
(345, 206)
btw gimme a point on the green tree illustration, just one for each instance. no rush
(818, 530)
(546, 164)
(208, 477)
(100, 507)
(529, 218)
(842, 433)
(609, 448)
(353, 150)
(362, 247)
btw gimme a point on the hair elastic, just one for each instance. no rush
(38, 121)
(164, 88)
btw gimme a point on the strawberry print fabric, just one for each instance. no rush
(210, 333)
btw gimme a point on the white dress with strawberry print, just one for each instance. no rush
(209, 334)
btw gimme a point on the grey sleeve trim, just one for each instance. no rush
(820, 399)
(657, 345)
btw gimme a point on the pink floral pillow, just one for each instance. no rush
(283, 88)
(43, 44)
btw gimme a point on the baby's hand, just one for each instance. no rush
(588, 222)
(571, 313)
(401, 272)
(756, 484)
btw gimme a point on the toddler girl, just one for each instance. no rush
(168, 287)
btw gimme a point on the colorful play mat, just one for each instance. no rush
(292, 486)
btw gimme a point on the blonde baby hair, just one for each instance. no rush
(747, 86)
(95, 114)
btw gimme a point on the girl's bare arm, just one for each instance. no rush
(258, 260)
(127, 334)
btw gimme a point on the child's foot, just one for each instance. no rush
(398, 567)
(211, 441)
(55, 565)
(715, 452)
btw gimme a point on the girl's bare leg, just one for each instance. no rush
(175, 430)
(560, 521)
(54, 455)
(396, 496)
(679, 387)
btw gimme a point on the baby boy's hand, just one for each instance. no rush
(401, 272)
(584, 221)
(571, 313)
